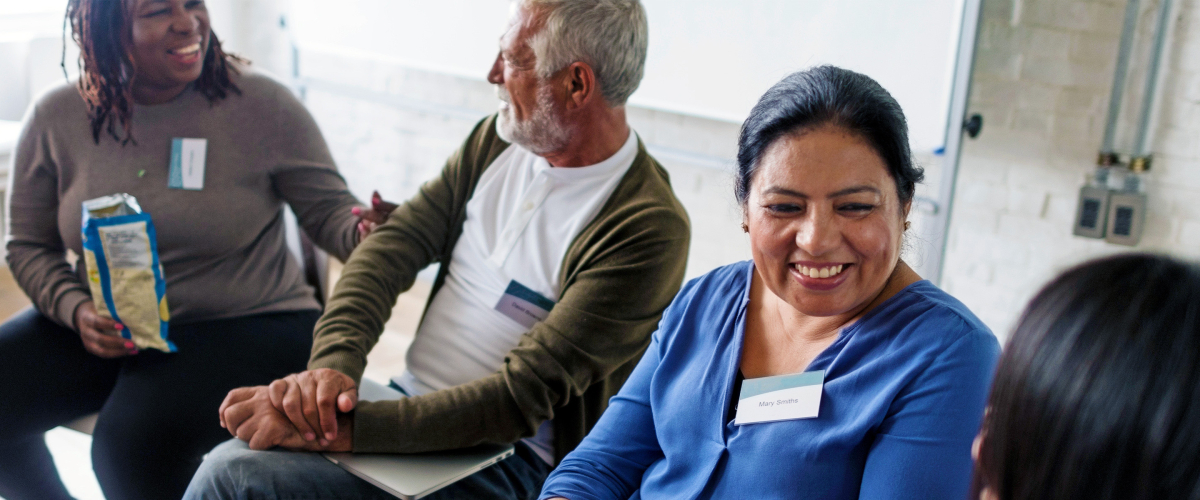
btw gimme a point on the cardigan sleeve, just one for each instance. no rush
(602, 321)
(36, 253)
(923, 447)
(611, 460)
(384, 265)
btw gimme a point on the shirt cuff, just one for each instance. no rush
(65, 310)
(376, 427)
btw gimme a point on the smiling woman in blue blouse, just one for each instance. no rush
(826, 181)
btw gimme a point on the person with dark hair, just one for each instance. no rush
(1097, 395)
(240, 310)
(824, 367)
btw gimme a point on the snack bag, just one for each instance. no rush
(121, 251)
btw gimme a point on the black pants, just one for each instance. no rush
(158, 411)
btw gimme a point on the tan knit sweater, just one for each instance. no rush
(222, 247)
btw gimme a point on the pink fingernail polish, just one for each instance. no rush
(129, 345)
(356, 211)
(119, 326)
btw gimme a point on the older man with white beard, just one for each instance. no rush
(553, 201)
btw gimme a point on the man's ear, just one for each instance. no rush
(580, 85)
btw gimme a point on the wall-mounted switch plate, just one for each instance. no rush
(1126, 216)
(1091, 215)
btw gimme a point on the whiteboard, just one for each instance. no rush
(717, 57)
(710, 58)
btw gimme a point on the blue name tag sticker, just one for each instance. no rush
(187, 163)
(781, 397)
(523, 305)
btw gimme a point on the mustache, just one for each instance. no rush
(502, 94)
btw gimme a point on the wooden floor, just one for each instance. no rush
(12, 299)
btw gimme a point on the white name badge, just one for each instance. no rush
(523, 305)
(187, 163)
(782, 397)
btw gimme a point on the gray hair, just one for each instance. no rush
(609, 35)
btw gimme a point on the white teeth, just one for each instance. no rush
(190, 49)
(824, 272)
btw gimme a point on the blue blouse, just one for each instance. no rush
(904, 393)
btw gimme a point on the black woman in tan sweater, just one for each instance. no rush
(240, 310)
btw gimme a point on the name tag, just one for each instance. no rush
(187, 163)
(523, 305)
(782, 397)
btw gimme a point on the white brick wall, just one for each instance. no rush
(391, 127)
(1042, 78)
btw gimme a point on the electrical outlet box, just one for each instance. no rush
(1091, 215)
(1126, 216)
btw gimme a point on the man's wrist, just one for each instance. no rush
(345, 436)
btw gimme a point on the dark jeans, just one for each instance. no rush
(158, 411)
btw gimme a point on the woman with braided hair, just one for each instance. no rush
(241, 313)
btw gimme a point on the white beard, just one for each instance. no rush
(542, 133)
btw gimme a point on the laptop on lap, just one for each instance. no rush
(413, 476)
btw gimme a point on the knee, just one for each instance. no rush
(233, 471)
(224, 472)
(126, 437)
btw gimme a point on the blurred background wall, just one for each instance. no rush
(392, 106)
(1043, 73)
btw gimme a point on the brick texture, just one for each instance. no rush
(1042, 77)
(1042, 81)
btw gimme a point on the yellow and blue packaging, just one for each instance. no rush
(121, 251)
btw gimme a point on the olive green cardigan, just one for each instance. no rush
(618, 275)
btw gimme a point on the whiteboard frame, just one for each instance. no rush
(937, 231)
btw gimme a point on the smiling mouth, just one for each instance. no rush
(186, 51)
(820, 272)
(504, 97)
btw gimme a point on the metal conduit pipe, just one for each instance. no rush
(1141, 149)
(1108, 155)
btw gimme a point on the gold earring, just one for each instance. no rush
(745, 228)
(907, 224)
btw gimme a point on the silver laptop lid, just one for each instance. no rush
(412, 476)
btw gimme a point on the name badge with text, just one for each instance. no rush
(187, 163)
(781, 397)
(523, 305)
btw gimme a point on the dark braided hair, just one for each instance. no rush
(107, 68)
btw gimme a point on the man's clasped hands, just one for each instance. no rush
(309, 410)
